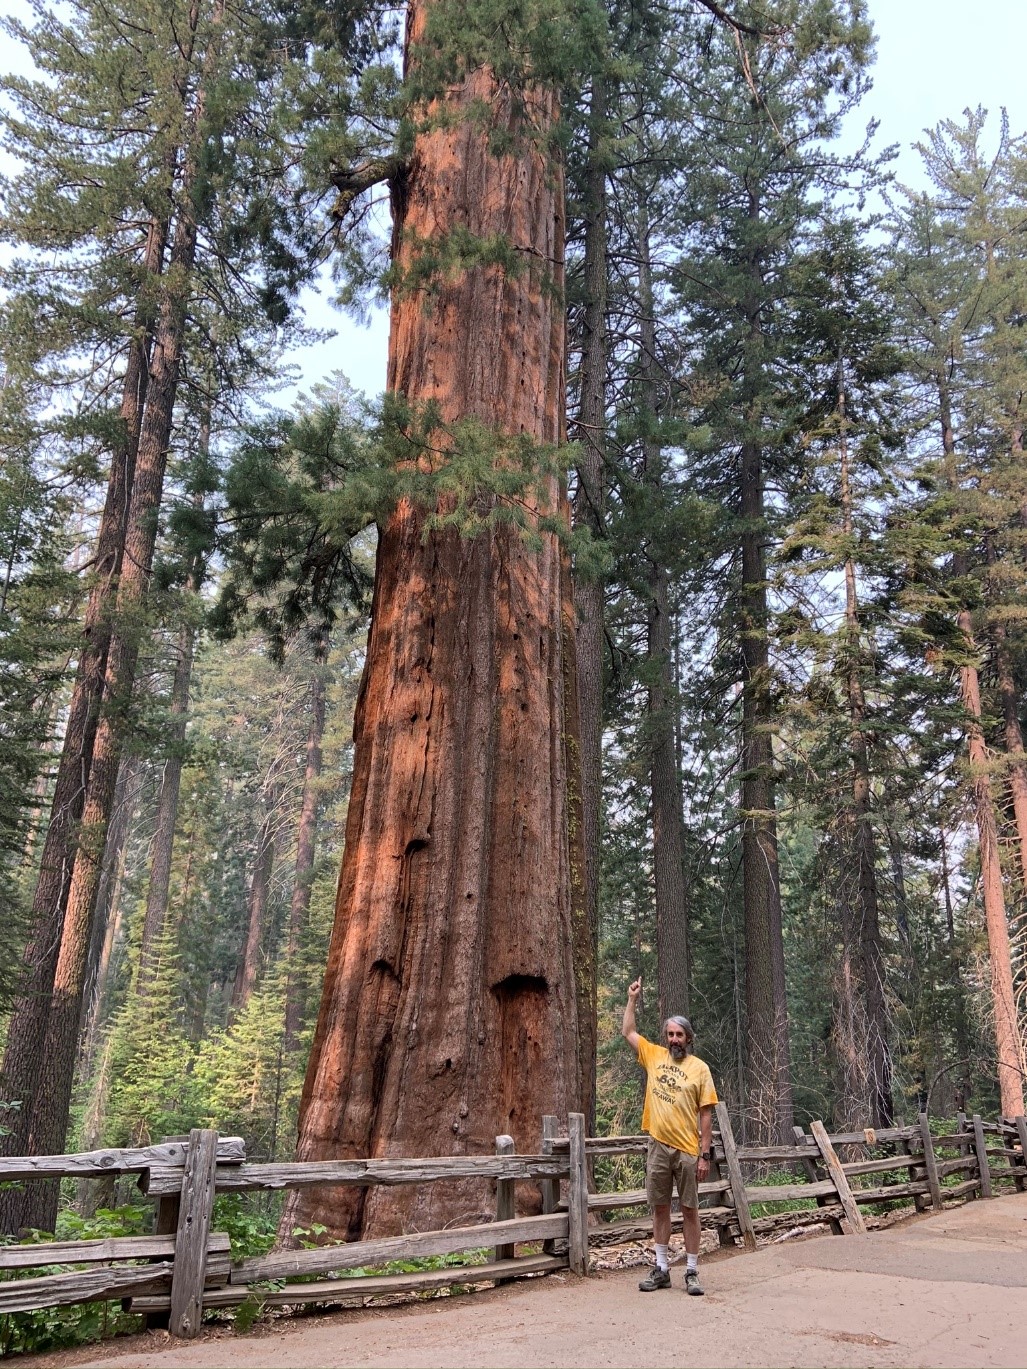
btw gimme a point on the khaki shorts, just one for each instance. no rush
(667, 1169)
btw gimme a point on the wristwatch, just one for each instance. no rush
(706, 1155)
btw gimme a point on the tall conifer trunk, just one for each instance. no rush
(450, 1010)
(876, 1101)
(248, 965)
(672, 952)
(768, 1107)
(163, 843)
(590, 502)
(51, 1097)
(28, 1020)
(1012, 733)
(299, 907)
(108, 903)
(1009, 1051)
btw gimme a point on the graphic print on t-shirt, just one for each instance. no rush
(675, 1091)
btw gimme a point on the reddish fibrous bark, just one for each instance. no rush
(1009, 1055)
(1007, 1037)
(450, 1008)
(589, 502)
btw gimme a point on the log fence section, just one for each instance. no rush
(577, 1195)
(737, 1184)
(914, 1171)
(185, 1268)
(1020, 1123)
(190, 1269)
(930, 1161)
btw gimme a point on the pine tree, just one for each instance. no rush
(773, 103)
(175, 208)
(946, 274)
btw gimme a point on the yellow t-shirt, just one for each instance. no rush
(675, 1091)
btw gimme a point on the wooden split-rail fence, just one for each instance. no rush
(185, 1267)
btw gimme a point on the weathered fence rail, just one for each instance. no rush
(918, 1166)
(185, 1268)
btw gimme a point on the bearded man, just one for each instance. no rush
(678, 1115)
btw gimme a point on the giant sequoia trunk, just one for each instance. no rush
(449, 1011)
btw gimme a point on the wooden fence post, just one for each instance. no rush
(734, 1174)
(504, 1199)
(981, 1147)
(577, 1195)
(718, 1164)
(916, 1172)
(965, 1148)
(1021, 1130)
(194, 1219)
(838, 1177)
(165, 1223)
(550, 1187)
(930, 1161)
(810, 1169)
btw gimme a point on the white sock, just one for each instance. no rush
(693, 1262)
(661, 1256)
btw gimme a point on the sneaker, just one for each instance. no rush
(657, 1278)
(692, 1285)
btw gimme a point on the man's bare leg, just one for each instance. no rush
(661, 1224)
(693, 1235)
(691, 1227)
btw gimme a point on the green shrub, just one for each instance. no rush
(55, 1328)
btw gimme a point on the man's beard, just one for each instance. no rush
(677, 1050)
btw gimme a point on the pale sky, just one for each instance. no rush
(934, 58)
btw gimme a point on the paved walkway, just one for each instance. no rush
(948, 1290)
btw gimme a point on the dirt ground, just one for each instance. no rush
(946, 1291)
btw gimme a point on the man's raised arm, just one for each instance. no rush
(628, 1029)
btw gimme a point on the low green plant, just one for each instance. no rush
(769, 1209)
(56, 1328)
(251, 1225)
